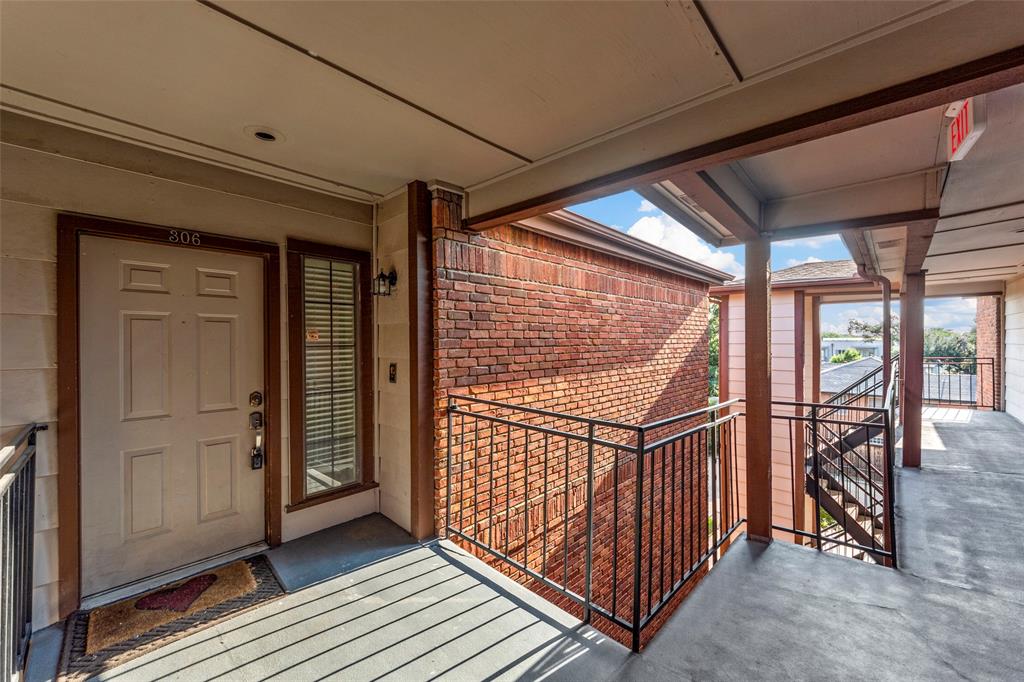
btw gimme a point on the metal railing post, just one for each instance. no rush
(590, 523)
(889, 510)
(448, 493)
(637, 539)
(815, 454)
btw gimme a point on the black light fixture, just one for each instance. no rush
(382, 284)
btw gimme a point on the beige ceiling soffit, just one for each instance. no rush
(686, 212)
(708, 37)
(988, 215)
(856, 205)
(944, 289)
(576, 229)
(935, 9)
(310, 54)
(706, 193)
(17, 130)
(756, 119)
(47, 109)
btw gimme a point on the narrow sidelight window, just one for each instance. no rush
(330, 389)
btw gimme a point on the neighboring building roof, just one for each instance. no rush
(835, 378)
(832, 272)
(571, 227)
(829, 269)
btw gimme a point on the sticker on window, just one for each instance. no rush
(312, 335)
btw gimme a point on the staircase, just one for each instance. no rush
(848, 468)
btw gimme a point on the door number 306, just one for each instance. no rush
(183, 237)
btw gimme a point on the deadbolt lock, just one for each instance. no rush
(255, 399)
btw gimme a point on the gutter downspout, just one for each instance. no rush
(886, 319)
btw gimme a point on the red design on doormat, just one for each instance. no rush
(177, 598)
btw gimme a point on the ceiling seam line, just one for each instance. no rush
(310, 54)
(981, 248)
(718, 41)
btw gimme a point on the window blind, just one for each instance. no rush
(330, 320)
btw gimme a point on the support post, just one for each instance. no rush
(912, 339)
(816, 347)
(886, 331)
(757, 314)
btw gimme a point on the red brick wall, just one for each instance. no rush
(526, 319)
(987, 320)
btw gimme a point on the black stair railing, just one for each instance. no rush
(17, 526)
(849, 444)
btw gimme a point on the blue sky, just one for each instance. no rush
(632, 214)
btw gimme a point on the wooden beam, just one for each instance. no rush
(723, 349)
(886, 330)
(700, 187)
(919, 240)
(421, 358)
(757, 320)
(939, 88)
(816, 345)
(912, 336)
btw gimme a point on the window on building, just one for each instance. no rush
(330, 387)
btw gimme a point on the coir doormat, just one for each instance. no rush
(107, 636)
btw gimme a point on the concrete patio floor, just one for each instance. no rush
(954, 610)
(369, 603)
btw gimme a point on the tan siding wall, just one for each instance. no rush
(35, 187)
(393, 404)
(1014, 344)
(783, 388)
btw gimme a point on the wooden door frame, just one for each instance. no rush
(70, 227)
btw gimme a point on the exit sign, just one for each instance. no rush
(967, 120)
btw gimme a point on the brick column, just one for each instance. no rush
(988, 321)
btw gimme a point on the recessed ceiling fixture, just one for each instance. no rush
(264, 133)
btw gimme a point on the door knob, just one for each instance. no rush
(256, 454)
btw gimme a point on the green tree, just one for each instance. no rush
(873, 330)
(944, 343)
(846, 355)
(713, 346)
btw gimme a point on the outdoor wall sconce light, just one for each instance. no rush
(382, 284)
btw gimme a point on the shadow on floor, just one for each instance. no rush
(340, 549)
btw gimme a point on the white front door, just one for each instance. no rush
(171, 346)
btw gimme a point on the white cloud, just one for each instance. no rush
(647, 207)
(957, 314)
(839, 321)
(810, 259)
(809, 242)
(662, 231)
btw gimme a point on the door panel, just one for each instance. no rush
(171, 340)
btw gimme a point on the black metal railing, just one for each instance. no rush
(961, 382)
(843, 453)
(17, 526)
(612, 517)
